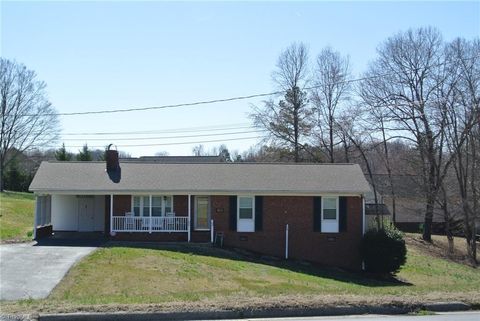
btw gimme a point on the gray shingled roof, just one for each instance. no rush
(258, 178)
(176, 159)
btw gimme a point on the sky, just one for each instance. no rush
(117, 54)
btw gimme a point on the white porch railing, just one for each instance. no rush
(147, 224)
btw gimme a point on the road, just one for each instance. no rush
(443, 316)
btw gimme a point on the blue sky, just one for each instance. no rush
(108, 55)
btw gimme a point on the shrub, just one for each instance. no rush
(384, 250)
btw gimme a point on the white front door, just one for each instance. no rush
(86, 214)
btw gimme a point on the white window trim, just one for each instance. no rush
(328, 222)
(195, 213)
(253, 213)
(150, 205)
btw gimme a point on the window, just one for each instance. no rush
(156, 206)
(330, 214)
(330, 208)
(146, 206)
(136, 205)
(246, 214)
(160, 205)
(168, 204)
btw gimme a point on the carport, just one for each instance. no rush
(69, 213)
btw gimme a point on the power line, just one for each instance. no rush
(176, 143)
(221, 100)
(165, 137)
(178, 130)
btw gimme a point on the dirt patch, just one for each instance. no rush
(439, 247)
(244, 303)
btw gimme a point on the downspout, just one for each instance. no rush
(363, 225)
(363, 214)
(189, 215)
(286, 242)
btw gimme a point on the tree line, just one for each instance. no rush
(413, 111)
(419, 90)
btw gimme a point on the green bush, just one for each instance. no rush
(384, 251)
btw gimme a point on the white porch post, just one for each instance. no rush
(111, 214)
(150, 214)
(189, 215)
(35, 218)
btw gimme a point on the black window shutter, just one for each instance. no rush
(317, 214)
(233, 212)
(342, 213)
(258, 213)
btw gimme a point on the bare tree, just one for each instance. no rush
(330, 89)
(352, 126)
(27, 117)
(199, 150)
(462, 112)
(287, 121)
(405, 80)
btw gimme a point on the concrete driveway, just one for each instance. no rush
(32, 271)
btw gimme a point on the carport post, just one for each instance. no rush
(35, 218)
(111, 214)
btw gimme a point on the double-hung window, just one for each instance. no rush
(330, 214)
(246, 214)
(160, 206)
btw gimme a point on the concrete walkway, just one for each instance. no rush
(32, 271)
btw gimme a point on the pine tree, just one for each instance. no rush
(62, 155)
(84, 155)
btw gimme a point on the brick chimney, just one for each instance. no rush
(111, 156)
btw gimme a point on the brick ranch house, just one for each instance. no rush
(312, 212)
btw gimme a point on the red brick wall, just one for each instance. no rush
(334, 249)
(180, 205)
(147, 237)
(121, 204)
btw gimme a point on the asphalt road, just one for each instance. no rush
(444, 316)
(32, 271)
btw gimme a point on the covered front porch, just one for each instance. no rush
(142, 217)
(183, 217)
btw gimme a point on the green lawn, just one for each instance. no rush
(185, 277)
(16, 216)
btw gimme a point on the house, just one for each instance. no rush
(410, 204)
(312, 212)
(177, 159)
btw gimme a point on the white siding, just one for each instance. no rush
(64, 213)
(99, 212)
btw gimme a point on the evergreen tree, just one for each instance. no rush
(62, 155)
(84, 154)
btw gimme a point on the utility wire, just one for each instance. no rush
(165, 137)
(176, 143)
(149, 132)
(221, 100)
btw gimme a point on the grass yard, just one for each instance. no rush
(180, 277)
(16, 216)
